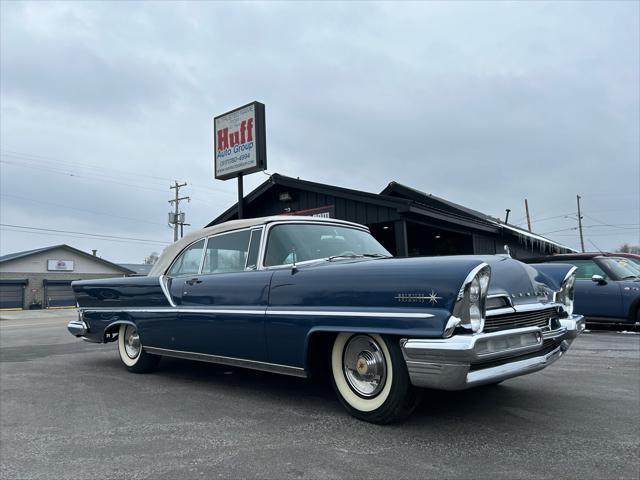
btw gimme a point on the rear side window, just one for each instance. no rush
(188, 263)
(227, 252)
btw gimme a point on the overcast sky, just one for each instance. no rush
(484, 104)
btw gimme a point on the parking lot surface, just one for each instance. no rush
(69, 410)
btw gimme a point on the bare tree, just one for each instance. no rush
(627, 248)
(151, 259)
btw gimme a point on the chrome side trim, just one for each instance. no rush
(231, 361)
(263, 311)
(176, 310)
(164, 280)
(329, 313)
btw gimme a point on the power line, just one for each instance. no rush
(38, 159)
(80, 175)
(622, 226)
(67, 235)
(108, 178)
(80, 209)
(86, 234)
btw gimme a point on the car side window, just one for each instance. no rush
(188, 263)
(587, 269)
(227, 252)
(254, 248)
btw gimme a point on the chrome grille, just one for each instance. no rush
(536, 318)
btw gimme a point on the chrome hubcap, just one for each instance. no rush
(364, 366)
(131, 342)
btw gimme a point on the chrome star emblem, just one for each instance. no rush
(433, 297)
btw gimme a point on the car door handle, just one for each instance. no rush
(193, 281)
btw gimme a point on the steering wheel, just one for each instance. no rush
(347, 253)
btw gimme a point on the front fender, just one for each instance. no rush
(552, 274)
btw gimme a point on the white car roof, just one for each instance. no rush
(169, 253)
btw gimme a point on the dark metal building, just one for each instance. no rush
(406, 221)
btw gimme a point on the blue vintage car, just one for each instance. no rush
(301, 295)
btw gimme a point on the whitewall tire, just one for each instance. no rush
(131, 352)
(370, 377)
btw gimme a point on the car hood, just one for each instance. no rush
(375, 279)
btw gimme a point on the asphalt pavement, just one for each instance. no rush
(69, 410)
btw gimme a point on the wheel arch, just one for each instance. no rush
(110, 333)
(634, 310)
(319, 342)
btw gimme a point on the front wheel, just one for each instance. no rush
(371, 379)
(131, 352)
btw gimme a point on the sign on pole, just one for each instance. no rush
(240, 142)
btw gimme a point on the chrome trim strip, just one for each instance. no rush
(500, 311)
(514, 369)
(231, 361)
(204, 254)
(176, 310)
(264, 311)
(571, 271)
(530, 307)
(502, 295)
(329, 313)
(470, 278)
(165, 289)
(526, 307)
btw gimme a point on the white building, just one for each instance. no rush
(41, 278)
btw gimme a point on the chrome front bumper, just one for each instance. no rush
(465, 361)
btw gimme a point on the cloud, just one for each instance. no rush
(483, 104)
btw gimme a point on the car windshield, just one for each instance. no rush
(319, 241)
(620, 267)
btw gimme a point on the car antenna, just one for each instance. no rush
(597, 248)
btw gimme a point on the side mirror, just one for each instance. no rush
(599, 279)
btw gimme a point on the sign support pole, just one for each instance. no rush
(240, 197)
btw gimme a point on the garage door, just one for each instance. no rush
(58, 294)
(12, 294)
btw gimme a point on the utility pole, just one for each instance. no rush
(174, 217)
(526, 207)
(580, 223)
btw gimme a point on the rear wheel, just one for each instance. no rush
(371, 379)
(131, 352)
